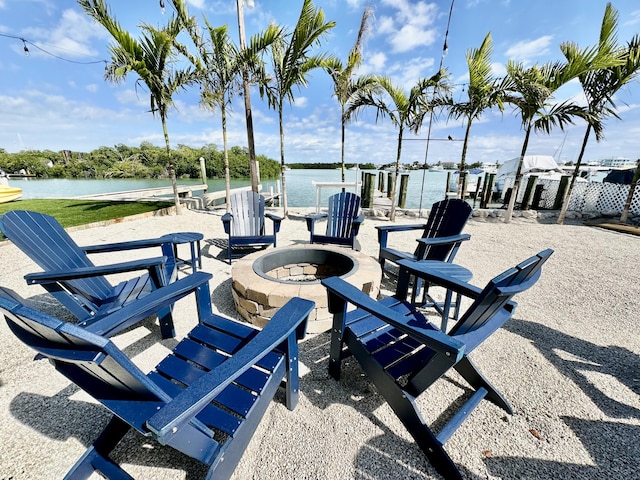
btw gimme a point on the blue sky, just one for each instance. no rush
(51, 103)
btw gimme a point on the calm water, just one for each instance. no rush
(300, 190)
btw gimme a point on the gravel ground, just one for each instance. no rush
(568, 362)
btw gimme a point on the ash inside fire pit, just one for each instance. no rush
(303, 265)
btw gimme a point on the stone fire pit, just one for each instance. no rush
(264, 281)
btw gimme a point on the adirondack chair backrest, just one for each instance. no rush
(446, 218)
(343, 210)
(90, 361)
(247, 209)
(486, 314)
(45, 242)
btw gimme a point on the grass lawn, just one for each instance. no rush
(71, 213)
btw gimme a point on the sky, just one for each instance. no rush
(55, 96)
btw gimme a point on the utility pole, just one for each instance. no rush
(253, 164)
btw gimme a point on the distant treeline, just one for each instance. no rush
(330, 166)
(145, 161)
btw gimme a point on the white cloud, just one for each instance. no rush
(633, 18)
(526, 50)
(301, 102)
(410, 37)
(196, 3)
(414, 18)
(93, 88)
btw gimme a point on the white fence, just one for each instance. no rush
(590, 198)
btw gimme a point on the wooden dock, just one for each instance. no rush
(184, 191)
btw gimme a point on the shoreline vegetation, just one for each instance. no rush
(149, 161)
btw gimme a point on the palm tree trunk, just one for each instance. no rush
(516, 183)
(282, 165)
(392, 215)
(172, 172)
(227, 181)
(342, 147)
(463, 159)
(576, 172)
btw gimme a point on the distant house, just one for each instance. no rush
(449, 165)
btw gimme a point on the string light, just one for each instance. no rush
(28, 52)
(162, 6)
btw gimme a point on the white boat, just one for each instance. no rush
(542, 166)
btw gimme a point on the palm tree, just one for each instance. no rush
(531, 91)
(484, 92)
(405, 111)
(291, 65)
(220, 65)
(611, 67)
(344, 86)
(151, 58)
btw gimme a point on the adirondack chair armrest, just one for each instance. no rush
(445, 281)
(463, 237)
(152, 303)
(131, 245)
(226, 222)
(276, 221)
(384, 230)
(340, 292)
(355, 227)
(312, 219)
(185, 406)
(54, 276)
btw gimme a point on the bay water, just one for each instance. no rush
(428, 186)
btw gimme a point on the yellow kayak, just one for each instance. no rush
(8, 194)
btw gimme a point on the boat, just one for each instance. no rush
(542, 166)
(7, 192)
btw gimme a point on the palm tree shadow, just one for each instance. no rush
(574, 358)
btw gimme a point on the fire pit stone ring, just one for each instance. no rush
(264, 281)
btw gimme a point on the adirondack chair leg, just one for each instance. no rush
(403, 404)
(165, 318)
(337, 335)
(292, 387)
(96, 458)
(467, 369)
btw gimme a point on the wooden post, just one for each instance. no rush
(447, 191)
(203, 173)
(537, 196)
(390, 183)
(528, 192)
(367, 190)
(404, 183)
(381, 181)
(478, 192)
(564, 184)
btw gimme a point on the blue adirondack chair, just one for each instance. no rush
(403, 354)
(205, 399)
(245, 224)
(440, 238)
(73, 279)
(343, 220)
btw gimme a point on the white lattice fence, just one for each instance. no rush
(593, 197)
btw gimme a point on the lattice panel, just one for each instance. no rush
(593, 197)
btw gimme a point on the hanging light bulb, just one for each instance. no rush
(24, 47)
(445, 49)
(162, 6)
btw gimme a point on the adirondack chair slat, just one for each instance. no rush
(202, 406)
(343, 221)
(245, 224)
(403, 354)
(74, 280)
